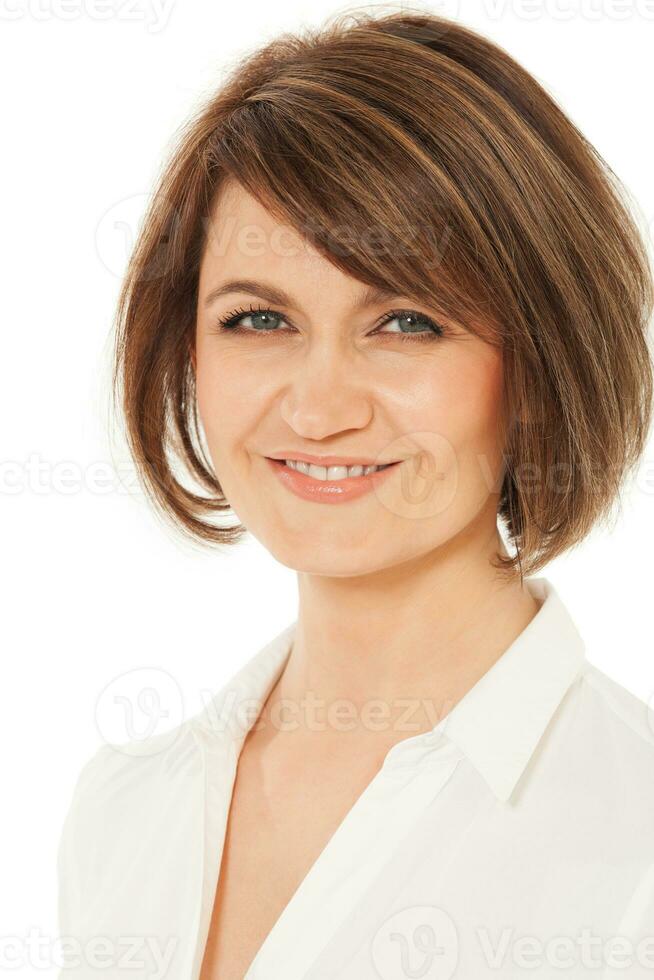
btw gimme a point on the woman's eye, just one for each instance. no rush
(411, 325)
(260, 320)
(410, 322)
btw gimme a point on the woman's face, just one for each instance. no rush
(322, 373)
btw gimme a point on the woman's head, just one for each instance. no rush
(326, 369)
(404, 155)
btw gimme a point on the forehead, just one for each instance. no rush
(241, 228)
(245, 240)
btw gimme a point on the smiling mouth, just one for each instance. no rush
(330, 474)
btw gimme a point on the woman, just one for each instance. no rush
(383, 246)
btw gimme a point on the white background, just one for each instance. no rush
(93, 584)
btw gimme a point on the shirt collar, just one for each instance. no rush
(497, 724)
(232, 711)
(501, 719)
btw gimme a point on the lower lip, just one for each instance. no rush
(328, 491)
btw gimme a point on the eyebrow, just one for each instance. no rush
(271, 294)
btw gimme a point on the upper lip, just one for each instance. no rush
(333, 460)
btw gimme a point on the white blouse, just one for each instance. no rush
(515, 839)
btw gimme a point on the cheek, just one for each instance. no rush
(221, 400)
(460, 401)
(477, 433)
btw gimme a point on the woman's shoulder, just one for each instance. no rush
(628, 717)
(121, 778)
(117, 773)
(128, 802)
(135, 770)
(609, 740)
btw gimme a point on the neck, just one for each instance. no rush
(413, 638)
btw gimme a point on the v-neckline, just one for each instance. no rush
(373, 827)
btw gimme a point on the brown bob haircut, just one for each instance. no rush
(420, 158)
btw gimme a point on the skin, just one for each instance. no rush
(397, 597)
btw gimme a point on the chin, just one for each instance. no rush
(314, 557)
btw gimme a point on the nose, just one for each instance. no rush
(325, 393)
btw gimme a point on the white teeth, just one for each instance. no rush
(331, 472)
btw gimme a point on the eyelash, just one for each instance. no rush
(226, 324)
